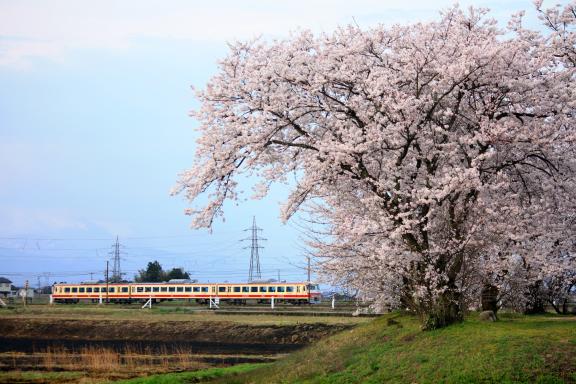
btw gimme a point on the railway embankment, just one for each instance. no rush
(28, 335)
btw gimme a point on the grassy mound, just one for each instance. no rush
(516, 349)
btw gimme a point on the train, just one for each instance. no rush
(202, 293)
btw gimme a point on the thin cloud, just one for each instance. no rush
(39, 29)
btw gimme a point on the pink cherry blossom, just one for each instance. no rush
(429, 159)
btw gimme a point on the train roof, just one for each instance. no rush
(189, 283)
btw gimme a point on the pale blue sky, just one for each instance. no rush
(94, 128)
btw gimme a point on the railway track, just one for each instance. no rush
(288, 313)
(320, 310)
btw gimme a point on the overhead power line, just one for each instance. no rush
(34, 238)
(254, 272)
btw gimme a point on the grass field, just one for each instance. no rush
(86, 343)
(194, 377)
(40, 377)
(162, 313)
(388, 349)
(392, 349)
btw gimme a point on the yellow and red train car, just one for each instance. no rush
(297, 293)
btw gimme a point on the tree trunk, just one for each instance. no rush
(565, 307)
(557, 309)
(535, 302)
(446, 311)
(490, 298)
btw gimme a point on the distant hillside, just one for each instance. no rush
(516, 349)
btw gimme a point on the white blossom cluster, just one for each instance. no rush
(433, 158)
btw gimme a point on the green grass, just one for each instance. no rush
(39, 377)
(168, 378)
(192, 377)
(161, 313)
(516, 349)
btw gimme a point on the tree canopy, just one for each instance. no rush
(155, 274)
(433, 158)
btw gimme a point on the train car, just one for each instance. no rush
(238, 293)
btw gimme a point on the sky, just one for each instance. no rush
(95, 128)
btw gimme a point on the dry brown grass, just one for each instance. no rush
(100, 359)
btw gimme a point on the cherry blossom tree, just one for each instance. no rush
(431, 153)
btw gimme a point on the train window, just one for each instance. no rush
(89, 289)
(163, 289)
(253, 289)
(281, 289)
(140, 289)
(196, 289)
(74, 289)
(204, 289)
(188, 289)
(103, 289)
(289, 289)
(96, 289)
(147, 289)
(67, 290)
(236, 289)
(155, 289)
(171, 289)
(179, 289)
(221, 289)
(245, 289)
(124, 289)
(271, 289)
(81, 289)
(111, 289)
(263, 289)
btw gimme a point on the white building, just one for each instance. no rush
(5, 286)
(29, 293)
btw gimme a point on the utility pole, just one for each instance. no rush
(107, 281)
(25, 295)
(254, 272)
(308, 257)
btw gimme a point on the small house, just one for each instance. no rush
(5, 286)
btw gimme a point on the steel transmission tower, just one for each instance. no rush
(116, 271)
(254, 272)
